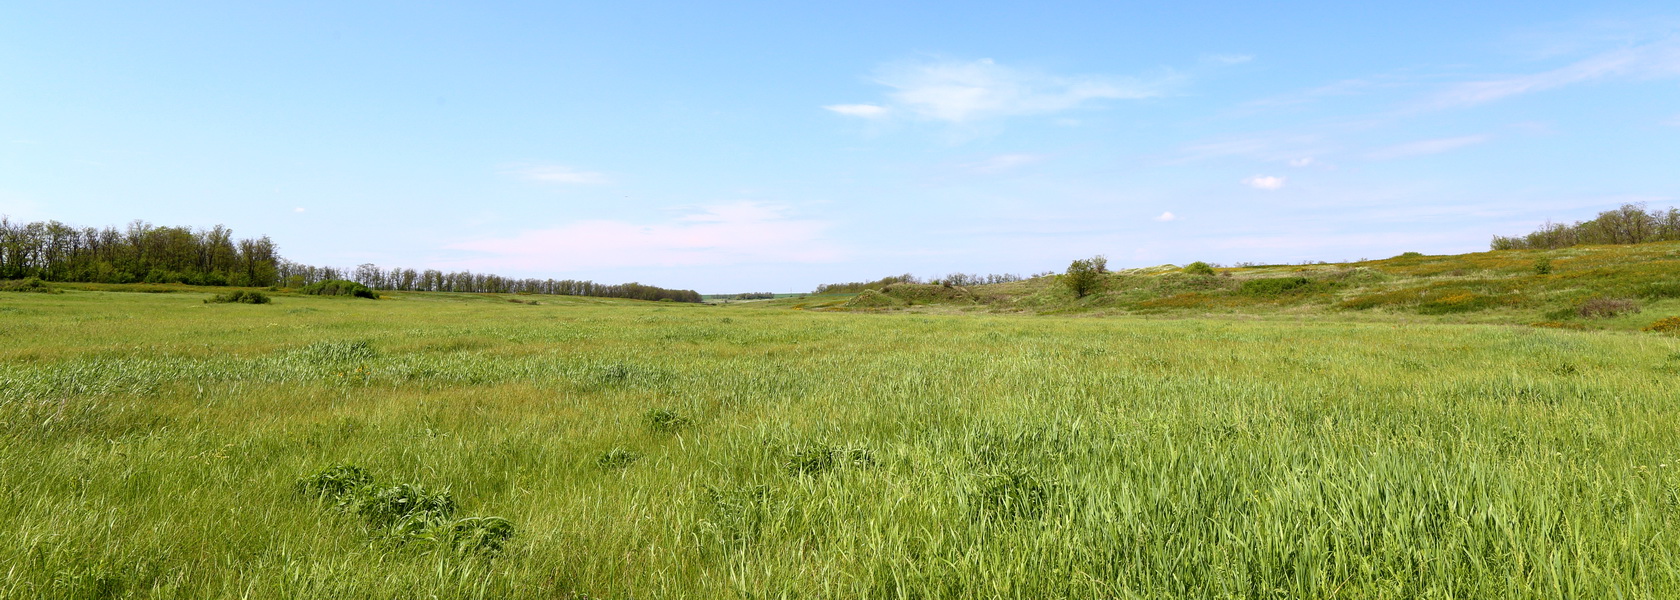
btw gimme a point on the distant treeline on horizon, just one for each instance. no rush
(1629, 224)
(144, 253)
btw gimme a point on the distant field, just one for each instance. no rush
(151, 447)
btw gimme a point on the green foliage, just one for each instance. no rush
(821, 458)
(338, 351)
(1013, 495)
(339, 287)
(859, 286)
(616, 459)
(1628, 224)
(337, 482)
(406, 513)
(1083, 276)
(872, 299)
(1542, 266)
(1409, 255)
(1657, 290)
(387, 505)
(27, 284)
(239, 297)
(1272, 287)
(1199, 268)
(666, 421)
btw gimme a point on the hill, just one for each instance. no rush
(1589, 287)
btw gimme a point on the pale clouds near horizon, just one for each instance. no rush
(958, 91)
(739, 233)
(1264, 182)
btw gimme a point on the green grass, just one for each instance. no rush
(153, 447)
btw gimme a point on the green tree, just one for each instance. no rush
(1083, 276)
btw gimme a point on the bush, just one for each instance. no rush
(1199, 268)
(1604, 308)
(388, 505)
(1543, 266)
(31, 284)
(239, 297)
(339, 287)
(1666, 325)
(336, 482)
(1410, 255)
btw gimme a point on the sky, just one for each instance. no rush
(734, 147)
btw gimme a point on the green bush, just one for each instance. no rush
(664, 420)
(31, 284)
(239, 297)
(616, 459)
(1542, 266)
(1199, 268)
(339, 287)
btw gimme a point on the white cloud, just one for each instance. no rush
(1003, 162)
(965, 91)
(1264, 182)
(558, 174)
(1306, 161)
(1425, 147)
(867, 111)
(728, 234)
(1649, 61)
(1167, 216)
(298, 209)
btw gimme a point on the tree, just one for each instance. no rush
(1083, 276)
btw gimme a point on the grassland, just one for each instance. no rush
(150, 447)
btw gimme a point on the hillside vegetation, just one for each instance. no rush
(1611, 286)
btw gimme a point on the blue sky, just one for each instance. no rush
(776, 146)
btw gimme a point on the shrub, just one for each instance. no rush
(478, 535)
(1665, 325)
(1199, 268)
(1543, 266)
(30, 284)
(1084, 275)
(1410, 255)
(239, 297)
(1604, 308)
(339, 287)
(664, 420)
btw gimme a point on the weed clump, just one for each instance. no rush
(616, 459)
(1542, 266)
(1272, 287)
(406, 512)
(817, 459)
(1665, 325)
(1410, 255)
(666, 421)
(339, 287)
(1604, 308)
(1013, 495)
(239, 297)
(30, 284)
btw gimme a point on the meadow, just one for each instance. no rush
(152, 446)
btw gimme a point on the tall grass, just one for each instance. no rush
(152, 447)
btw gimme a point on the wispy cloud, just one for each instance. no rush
(1002, 163)
(1648, 61)
(729, 234)
(1426, 147)
(1167, 216)
(1264, 182)
(964, 91)
(1305, 161)
(867, 111)
(558, 174)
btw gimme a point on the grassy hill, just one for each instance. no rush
(1588, 287)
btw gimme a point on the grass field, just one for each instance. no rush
(151, 446)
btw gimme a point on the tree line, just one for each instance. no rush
(144, 253)
(1629, 224)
